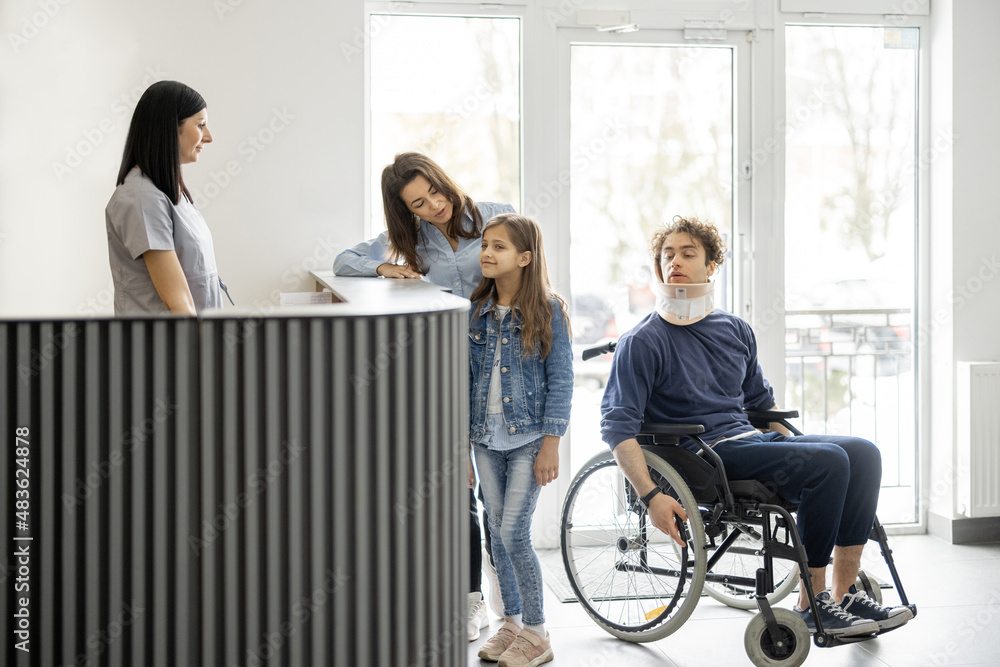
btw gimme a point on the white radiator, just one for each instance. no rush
(978, 483)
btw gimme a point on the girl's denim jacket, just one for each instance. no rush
(536, 393)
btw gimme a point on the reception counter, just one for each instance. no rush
(244, 488)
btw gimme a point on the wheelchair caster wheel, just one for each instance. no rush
(791, 648)
(868, 585)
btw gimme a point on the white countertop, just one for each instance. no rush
(380, 296)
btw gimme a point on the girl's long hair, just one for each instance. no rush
(152, 141)
(402, 224)
(531, 305)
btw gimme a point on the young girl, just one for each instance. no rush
(521, 387)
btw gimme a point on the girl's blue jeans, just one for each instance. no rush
(510, 492)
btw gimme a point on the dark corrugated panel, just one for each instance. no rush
(242, 491)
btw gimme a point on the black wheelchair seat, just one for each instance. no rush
(751, 490)
(705, 480)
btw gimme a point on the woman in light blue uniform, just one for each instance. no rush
(433, 231)
(160, 249)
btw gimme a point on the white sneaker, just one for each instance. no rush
(477, 616)
(496, 601)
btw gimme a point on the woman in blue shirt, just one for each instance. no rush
(160, 249)
(433, 231)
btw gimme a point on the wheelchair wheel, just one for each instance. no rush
(742, 559)
(868, 585)
(791, 648)
(625, 573)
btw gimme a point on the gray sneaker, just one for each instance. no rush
(837, 621)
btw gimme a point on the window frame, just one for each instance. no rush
(456, 8)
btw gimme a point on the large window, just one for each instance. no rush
(651, 136)
(850, 223)
(447, 87)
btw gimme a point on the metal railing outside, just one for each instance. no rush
(851, 371)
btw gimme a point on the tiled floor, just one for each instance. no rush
(956, 590)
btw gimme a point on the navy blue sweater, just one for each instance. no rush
(703, 373)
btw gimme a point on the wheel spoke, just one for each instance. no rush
(616, 568)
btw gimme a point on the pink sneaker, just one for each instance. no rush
(496, 645)
(528, 650)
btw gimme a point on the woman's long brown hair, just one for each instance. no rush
(531, 302)
(402, 224)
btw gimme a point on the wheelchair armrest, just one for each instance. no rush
(762, 419)
(771, 415)
(656, 428)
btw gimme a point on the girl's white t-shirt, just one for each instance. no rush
(493, 404)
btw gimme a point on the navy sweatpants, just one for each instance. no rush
(833, 479)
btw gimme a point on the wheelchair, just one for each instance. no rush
(742, 547)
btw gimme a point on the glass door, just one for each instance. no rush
(652, 134)
(850, 242)
(448, 87)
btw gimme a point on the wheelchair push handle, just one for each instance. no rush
(597, 351)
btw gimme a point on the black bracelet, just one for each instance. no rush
(649, 496)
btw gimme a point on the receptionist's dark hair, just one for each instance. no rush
(152, 141)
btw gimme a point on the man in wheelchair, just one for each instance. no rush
(690, 363)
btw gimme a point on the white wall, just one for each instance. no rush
(286, 74)
(976, 231)
(962, 268)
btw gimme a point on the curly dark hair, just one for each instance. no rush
(704, 233)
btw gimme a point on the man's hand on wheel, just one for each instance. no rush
(662, 510)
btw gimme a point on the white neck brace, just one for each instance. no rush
(684, 304)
